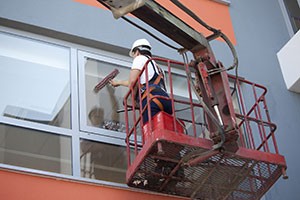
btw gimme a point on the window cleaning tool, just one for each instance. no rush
(106, 80)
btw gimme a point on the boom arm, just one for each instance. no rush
(213, 79)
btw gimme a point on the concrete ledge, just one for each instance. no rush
(289, 61)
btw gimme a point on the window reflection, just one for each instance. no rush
(34, 81)
(35, 149)
(102, 107)
(103, 161)
(293, 10)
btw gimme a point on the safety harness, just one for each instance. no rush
(157, 81)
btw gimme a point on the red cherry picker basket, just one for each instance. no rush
(186, 154)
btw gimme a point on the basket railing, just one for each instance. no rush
(255, 129)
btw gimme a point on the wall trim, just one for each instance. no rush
(226, 2)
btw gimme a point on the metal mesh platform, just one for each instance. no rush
(196, 172)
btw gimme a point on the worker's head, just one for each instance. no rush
(142, 46)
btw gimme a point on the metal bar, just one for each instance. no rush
(170, 175)
(127, 134)
(260, 129)
(207, 176)
(134, 127)
(172, 95)
(258, 114)
(141, 108)
(165, 22)
(271, 125)
(236, 178)
(269, 120)
(241, 135)
(191, 103)
(248, 129)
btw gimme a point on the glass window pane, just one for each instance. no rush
(180, 85)
(293, 11)
(34, 81)
(102, 106)
(35, 149)
(103, 161)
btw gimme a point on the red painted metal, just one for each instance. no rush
(175, 155)
(162, 121)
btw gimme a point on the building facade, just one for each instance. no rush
(60, 140)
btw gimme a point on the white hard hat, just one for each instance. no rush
(142, 44)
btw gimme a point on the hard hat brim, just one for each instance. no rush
(131, 53)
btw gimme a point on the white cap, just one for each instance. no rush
(142, 44)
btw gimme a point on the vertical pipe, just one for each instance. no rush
(261, 127)
(191, 101)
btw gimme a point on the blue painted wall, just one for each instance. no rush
(261, 32)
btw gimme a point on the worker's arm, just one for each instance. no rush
(117, 83)
(132, 77)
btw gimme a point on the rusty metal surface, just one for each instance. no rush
(161, 20)
(167, 23)
(219, 176)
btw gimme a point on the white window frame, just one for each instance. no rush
(82, 56)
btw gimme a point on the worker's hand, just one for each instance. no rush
(114, 83)
(118, 83)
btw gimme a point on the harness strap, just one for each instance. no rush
(155, 100)
(160, 76)
(158, 79)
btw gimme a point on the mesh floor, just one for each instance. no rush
(215, 176)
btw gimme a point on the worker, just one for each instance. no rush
(141, 53)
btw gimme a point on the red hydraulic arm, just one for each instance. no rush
(213, 82)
